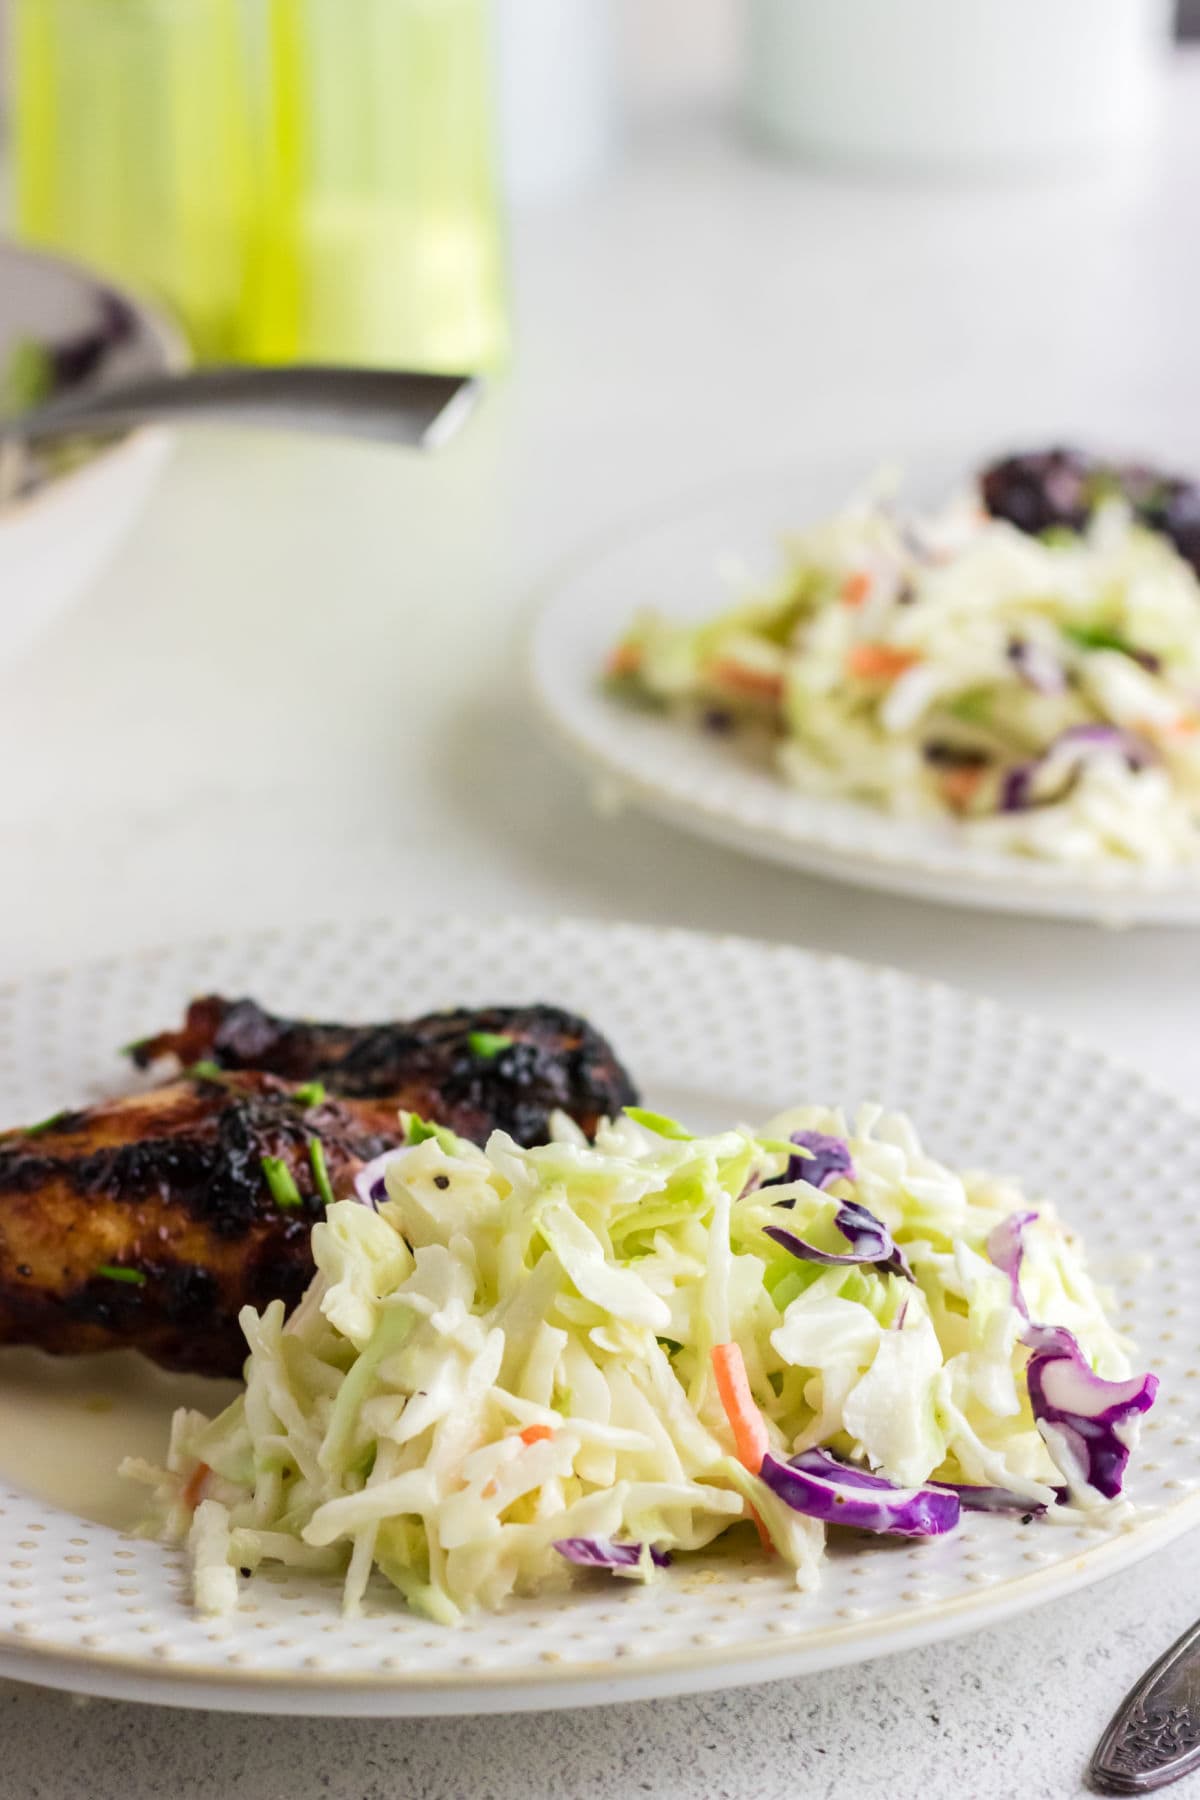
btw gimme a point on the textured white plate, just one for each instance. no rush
(705, 785)
(713, 1028)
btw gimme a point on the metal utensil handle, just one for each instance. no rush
(1154, 1737)
(401, 405)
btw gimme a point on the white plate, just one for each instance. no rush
(705, 785)
(713, 1028)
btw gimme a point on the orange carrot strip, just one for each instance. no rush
(961, 785)
(1187, 726)
(749, 1432)
(764, 1536)
(856, 587)
(756, 684)
(626, 659)
(879, 662)
(533, 1434)
(193, 1492)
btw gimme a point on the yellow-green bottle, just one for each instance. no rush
(298, 179)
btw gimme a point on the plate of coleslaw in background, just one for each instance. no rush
(893, 682)
(854, 1190)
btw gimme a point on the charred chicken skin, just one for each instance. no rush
(506, 1067)
(149, 1222)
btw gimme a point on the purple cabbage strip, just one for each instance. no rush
(1016, 788)
(602, 1553)
(1038, 667)
(1064, 1392)
(369, 1184)
(1089, 1411)
(1006, 1247)
(1095, 737)
(869, 1239)
(819, 1486)
(829, 1160)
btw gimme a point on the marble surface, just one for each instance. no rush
(298, 693)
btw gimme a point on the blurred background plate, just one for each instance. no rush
(689, 566)
(63, 326)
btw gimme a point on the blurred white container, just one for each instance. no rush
(556, 94)
(939, 83)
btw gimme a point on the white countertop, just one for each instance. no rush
(297, 693)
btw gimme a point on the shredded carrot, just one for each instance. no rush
(764, 1536)
(1186, 726)
(489, 1492)
(533, 1434)
(879, 662)
(755, 684)
(960, 786)
(856, 587)
(749, 1432)
(626, 659)
(193, 1493)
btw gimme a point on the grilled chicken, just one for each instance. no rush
(149, 1222)
(473, 1070)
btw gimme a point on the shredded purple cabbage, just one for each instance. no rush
(829, 1160)
(1016, 790)
(1006, 1247)
(1091, 1414)
(369, 1184)
(869, 1239)
(1064, 1392)
(1037, 667)
(602, 1553)
(821, 1487)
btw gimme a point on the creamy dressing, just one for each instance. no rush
(66, 1422)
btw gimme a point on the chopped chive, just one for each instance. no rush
(488, 1043)
(310, 1093)
(281, 1182)
(1096, 637)
(419, 1130)
(117, 1272)
(49, 1124)
(320, 1169)
(205, 1070)
(659, 1123)
(973, 707)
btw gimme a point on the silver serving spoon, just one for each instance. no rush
(1154, 1736)
(395, 405)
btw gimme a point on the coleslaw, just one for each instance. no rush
(513, 1362)
(1042, 691)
